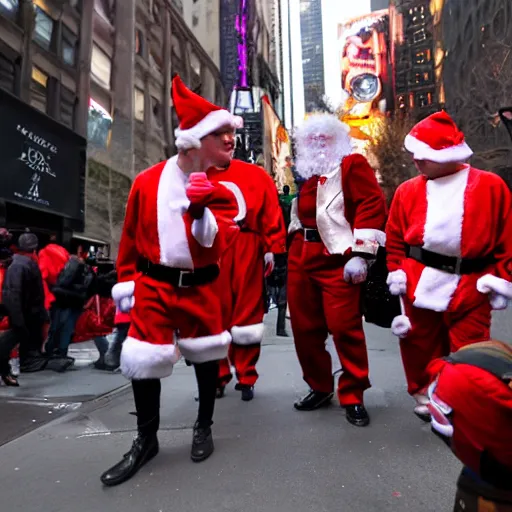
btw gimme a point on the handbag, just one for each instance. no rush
(378, 306)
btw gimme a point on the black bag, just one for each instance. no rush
(378, 306)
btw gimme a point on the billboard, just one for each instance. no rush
(43, 162)
(365, 80)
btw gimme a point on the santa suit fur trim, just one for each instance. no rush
(206, 348)
(248, 334)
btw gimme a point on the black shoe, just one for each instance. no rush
(313, 400)
(144, 448)
(357, 415)
(247, 392)
(202, 443)
(60, 364)
(220, 391)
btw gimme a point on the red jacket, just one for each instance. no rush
(52, 259)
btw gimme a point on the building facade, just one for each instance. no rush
(312, 52)
(377, 5)
(100, 70)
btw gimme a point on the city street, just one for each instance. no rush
(268, 456)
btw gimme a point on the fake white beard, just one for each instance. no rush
(317, 161)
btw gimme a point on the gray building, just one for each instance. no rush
(102, 70)
(312, 52)
(377, 5)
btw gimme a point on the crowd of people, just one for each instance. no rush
(49, 299)
(205, 237)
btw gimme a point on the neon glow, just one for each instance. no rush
(241, 28)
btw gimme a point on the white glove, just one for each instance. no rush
(269, 263)
(355, 270)
(498, 302)
(397, 282)
(125, 304)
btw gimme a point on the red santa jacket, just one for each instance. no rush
(467, 214)
(158, 227)
(347, 207)
(52, 259)
(259, 209)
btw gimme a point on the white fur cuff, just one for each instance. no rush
(489, 283)
(248, 334)
(498, 302)
(205, 348)
(397, 282)
(123, 290)
(143, 360)
(371, 235)
(205, 229)
(401, 326)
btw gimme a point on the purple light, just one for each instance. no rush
(241, 28)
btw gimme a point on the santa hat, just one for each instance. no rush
(197, 116)
(438, 139)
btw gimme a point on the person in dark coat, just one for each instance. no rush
(23, 298)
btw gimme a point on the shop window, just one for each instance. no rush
(67, 107)
(43, 29)
(69, 45)
(10, 9)
(39, 90)
(138, 104)
(101, 67)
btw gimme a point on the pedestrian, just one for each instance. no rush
(449, 251)
(24, 300)
(336, 230)
(471, 410)
(173, 237)
(245, 265)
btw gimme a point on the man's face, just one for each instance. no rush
(218, 147)
(435, 170)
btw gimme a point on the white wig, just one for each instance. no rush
(313, 156)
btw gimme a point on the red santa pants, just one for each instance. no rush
(167, 322)
(240, 287)
(434, 335)
(321, 302)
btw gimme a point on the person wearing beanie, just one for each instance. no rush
(23, 298)
(470, 401)
(449, 251)
(335, 232)
(174, 234)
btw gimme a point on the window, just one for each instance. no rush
(67, 107)
(39, 90)
(9, 8)
(69, 44)
(139, 43)
(195, 21)
(99, 124)
(43, 30)
(138, 105)
(156, 110)
(101, 67)
(8, 71)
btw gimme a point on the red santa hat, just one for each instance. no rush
(438, 139)
(197, 116)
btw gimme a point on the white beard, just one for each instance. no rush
(313, 161)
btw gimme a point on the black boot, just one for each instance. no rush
(219, 393)
(357, 415)
(247, 392)
(281, 321)
(202, 443)
(314, 400)
(144, 448)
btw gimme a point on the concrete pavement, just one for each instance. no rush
(268, 456)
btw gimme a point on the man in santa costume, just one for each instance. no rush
(471, 410)
(336, 230)
(173, 238)
(245, 265)
(449, 251)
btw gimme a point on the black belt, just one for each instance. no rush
(449, 264)
(178, 277)
(311, 235)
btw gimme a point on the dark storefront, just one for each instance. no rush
(42, 173)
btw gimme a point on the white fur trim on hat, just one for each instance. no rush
(143, 360)
(489, 283)
(205, 348)
(242, 206)
(123, 290)
(248, 334)
(191, 138)
(422, 151)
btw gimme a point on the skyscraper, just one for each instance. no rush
(312, 52)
